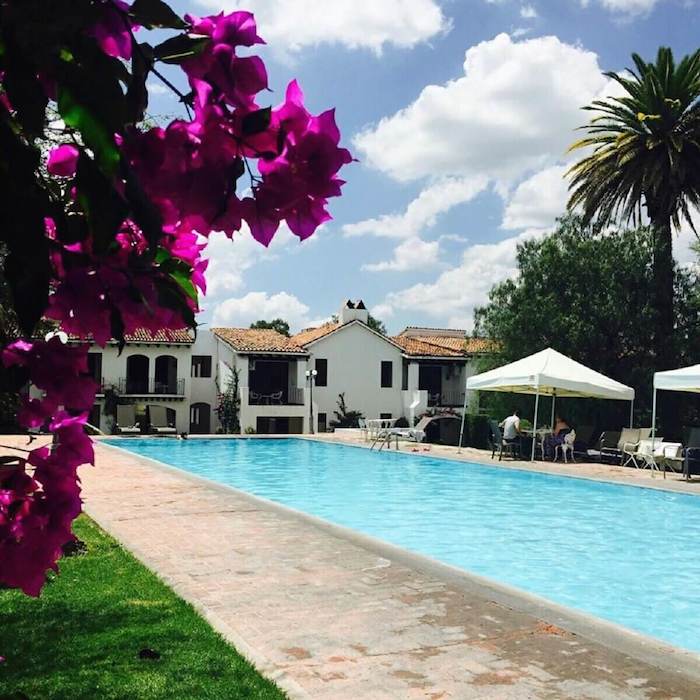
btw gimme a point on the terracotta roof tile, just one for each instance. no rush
(163, 336)
(141, 335)
(308, 335)
(442, 346)
(258, 340)
(422, 347)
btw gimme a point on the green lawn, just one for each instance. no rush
(82, 637)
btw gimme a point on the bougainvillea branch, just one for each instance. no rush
(104, 227)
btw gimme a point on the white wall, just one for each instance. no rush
(114, 368)
(204, 389)
(354, 355)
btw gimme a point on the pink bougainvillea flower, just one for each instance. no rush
(236, 28)
(112, 31)
(63, 160)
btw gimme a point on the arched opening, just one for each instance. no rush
(166, 375)
(200, 418)
(137, 374)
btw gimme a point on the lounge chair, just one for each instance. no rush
(629, 448)
(158, 419)
(498, 442)
(691, 454)
(655, 454)
(607, 441)
(613, 455)
(416, 434)
(126, 420)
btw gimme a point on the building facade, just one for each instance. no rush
(286, 385)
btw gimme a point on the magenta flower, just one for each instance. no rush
(63, 160)
(112, 31)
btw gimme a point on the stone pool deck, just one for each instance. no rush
(328, 614)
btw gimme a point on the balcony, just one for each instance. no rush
(446, 399)
(148, 387)
(281, 397)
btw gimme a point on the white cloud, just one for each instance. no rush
(626, 7)
(528, 12)
(514, 110)
(369, 24)
(155, 88)
(411, 254)
(537, 201)
(242, 311)
(454, 295)
(423, 211)
(230, 258)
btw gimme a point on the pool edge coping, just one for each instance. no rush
(637, 645)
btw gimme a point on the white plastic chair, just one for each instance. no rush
(566, 447)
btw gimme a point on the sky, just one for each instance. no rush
(459, 113)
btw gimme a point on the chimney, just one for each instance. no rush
(353, 311)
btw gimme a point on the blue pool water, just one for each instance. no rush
(626, 554)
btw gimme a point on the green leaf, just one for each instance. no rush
(28, 276)
(25, 92)
(185, 283)
(179, 48)
(156, 13)
(137, 93)
(256, 122)
(104, 207)
(93, 131)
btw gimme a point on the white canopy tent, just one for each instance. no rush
(548, 373)
(684, 379)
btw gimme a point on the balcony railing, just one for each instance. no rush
(279, 397)
(448, 399)
(147, 387)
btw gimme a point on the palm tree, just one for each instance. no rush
(646, 153)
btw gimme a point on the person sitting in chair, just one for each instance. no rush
(511, 427)
(561, 428)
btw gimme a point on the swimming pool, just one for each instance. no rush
(623, 553)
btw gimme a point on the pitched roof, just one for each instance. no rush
(258, 340)
(142, 335)
(422, 347)
(308, 335)
(442, 346)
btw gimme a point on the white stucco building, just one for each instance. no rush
(419, 370)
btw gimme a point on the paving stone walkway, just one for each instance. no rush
(329, 618)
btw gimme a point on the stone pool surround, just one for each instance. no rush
(330, 613)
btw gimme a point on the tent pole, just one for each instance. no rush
(653, 420)
(534, 424)
(464, 415)
(632, 413)
(554, 400)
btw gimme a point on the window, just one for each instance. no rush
(404, 376)
(387, 372)
(385, 416)
(95, 366)
(201, 365)
(322, 369)
(322, 422)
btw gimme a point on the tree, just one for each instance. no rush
(277, 324)
(588, 295)
(374, 323)
(344, 417)
(646, 152)
(228, 410)
(102, 214)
